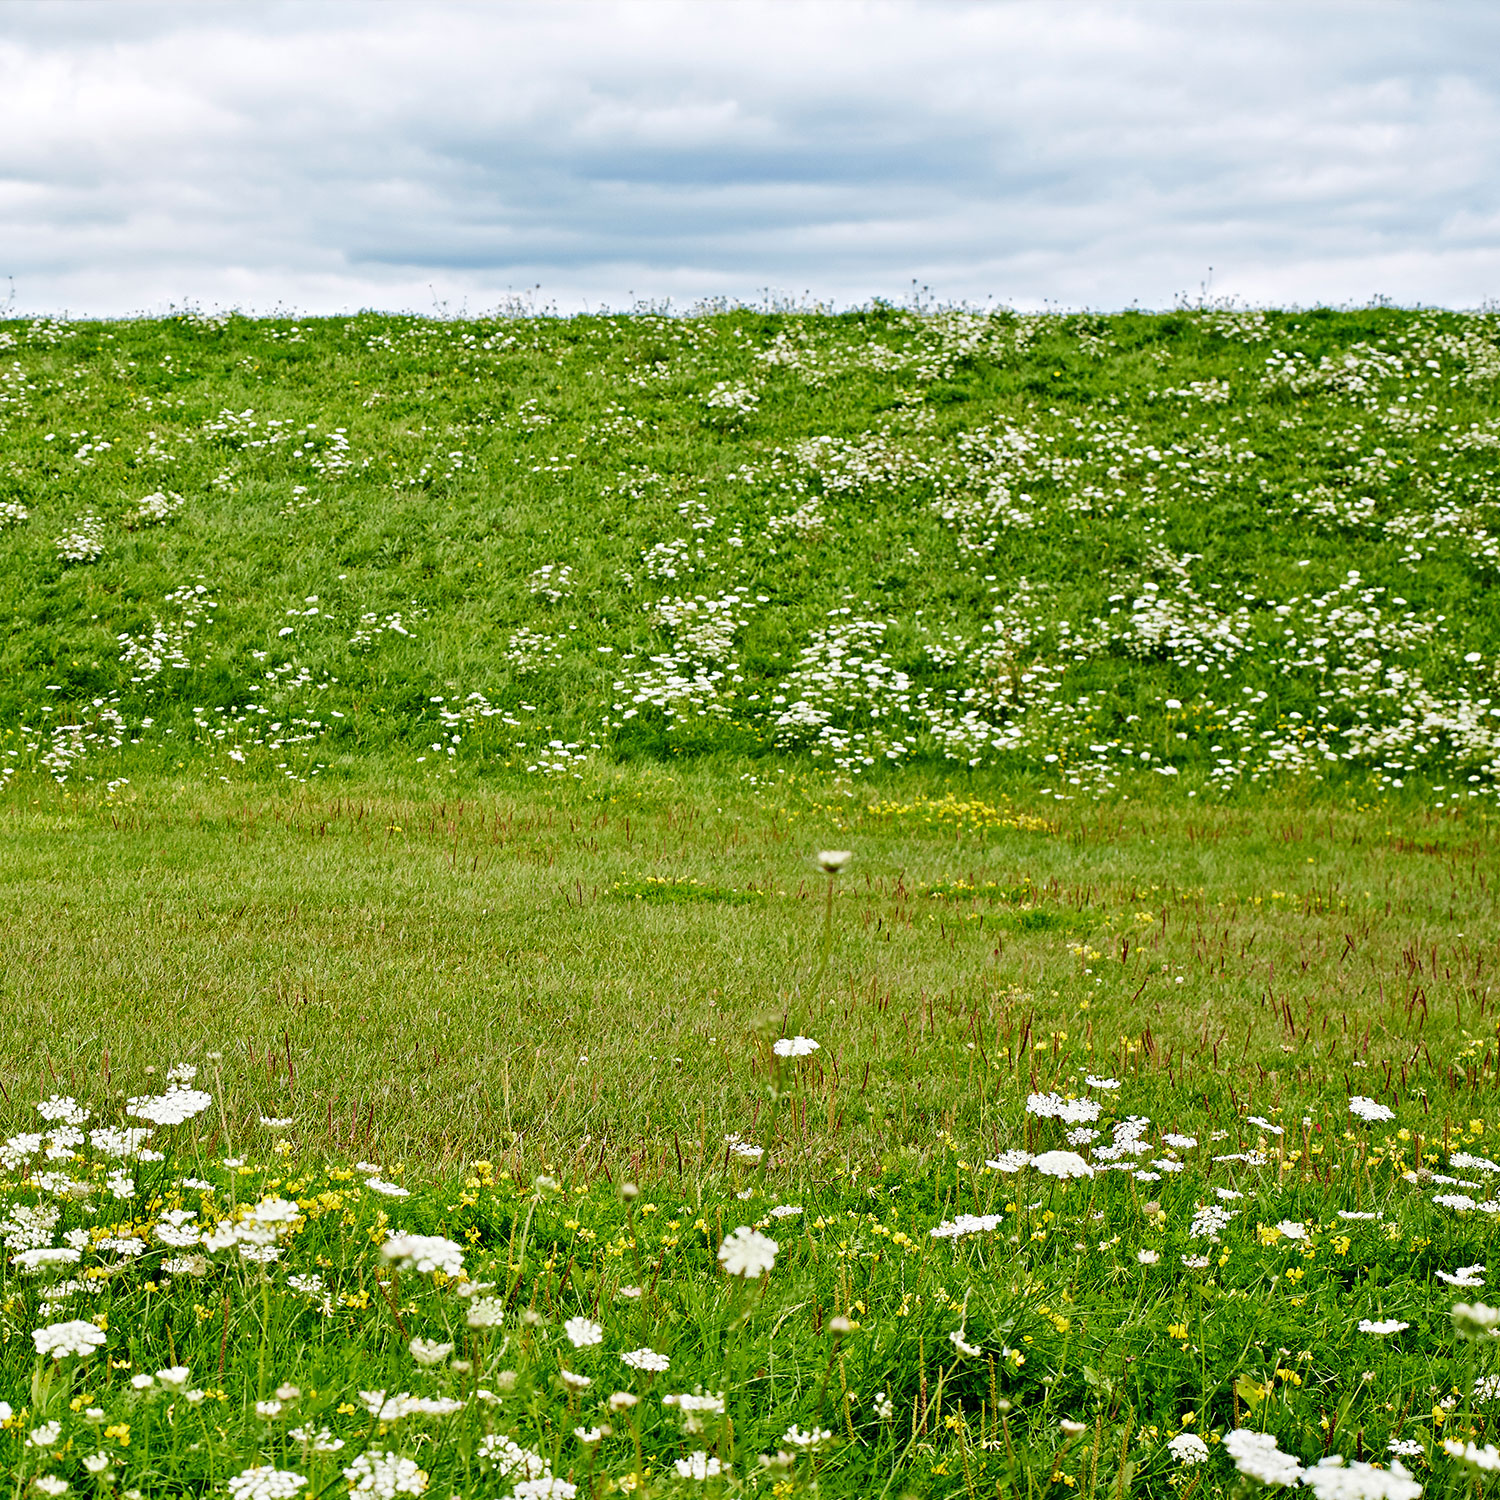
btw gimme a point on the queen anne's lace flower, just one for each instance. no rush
(424, 1253)
(266, 1482)
(1061, 1164)
(795, 1046)
(646, 1359)
(384, 1475)
(1487, 1457)
(583, 1332)
(1188, 1448)
(171, 1108)
(510, 1459)
(699, 1465)
(748, 1253)
(75, 1337)
(1256, 1456)
(1332, 1479)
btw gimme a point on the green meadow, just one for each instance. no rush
(749, 904)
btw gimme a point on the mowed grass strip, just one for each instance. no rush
(598, 969)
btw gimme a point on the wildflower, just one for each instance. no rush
(1195, 1262)
(61, 1107)
(1369, 1109)
(316, 1439)
(384, 1475)
(1487, 1457)
(1331, 1479)
(1458, 1202)
(748, 1253)
(1405, 1448)
(956, 1338)
(582, 1333)
(141, 1382)
(884, 1407)
(45, 1435)
(50, 1484)
(781, 1211)
(1009, 1161)
(1069, 1111)
(588, 1436)
(699, 1465)
(574, 1381)
(1292, 1229)
(1385, 1326)
(512, 1460)
(646, 1359)
(1148, 1257)
(623, 1400)
(96, 1463)
(171, 1108)
(1063, 1164)
(546, 1487)
(814, 1439)
(1475, 1320)
(795, 1046)
(389, 1189)
(697, 1402)
(272, 1123)
(46, 1255)
(429, 1351)
(75, 1337)
(1102, 1083)
(268, 1411)
(392, 1408)
(833, 861)
(425, 1253)
(1256, 1456)
(1188, 1448)
(1464, 1276)
(1072, 1429)
(953, 1229)
(485, 1312)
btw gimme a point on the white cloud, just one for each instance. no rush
(330, 156)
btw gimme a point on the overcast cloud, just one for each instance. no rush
(326, 157)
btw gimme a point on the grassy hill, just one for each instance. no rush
(1216, 544)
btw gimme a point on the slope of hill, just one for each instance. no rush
(1205, 549)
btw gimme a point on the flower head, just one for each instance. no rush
(265, 1482)
(429, 1351)
(384, 1475)
(1475, 1320)
(1061, 1164)
(748, 1253)
(425, 1253)
(74, 1337)
(795, 1046)
(1188, 1448)
(645, 1359)
(699, 1465)
(1257, 1457)
(1332, 1479)
(582, 1332)
(833, 861)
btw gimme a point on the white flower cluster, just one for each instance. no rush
(424, 1253)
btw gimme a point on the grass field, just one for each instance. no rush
(418, 970)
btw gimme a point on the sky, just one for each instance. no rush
(452, 157)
